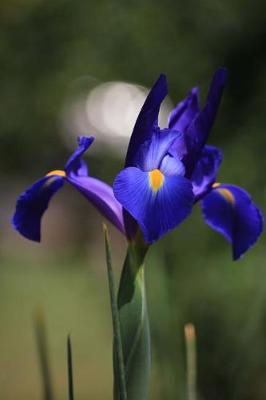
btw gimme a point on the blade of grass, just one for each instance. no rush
(42, 348)
(70, 370)
(191, 355)
(115, 320)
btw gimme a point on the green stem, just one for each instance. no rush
(118, 350)
(134, 324)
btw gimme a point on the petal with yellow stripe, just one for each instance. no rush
(157, 202)
(229, 210)
(32, 204)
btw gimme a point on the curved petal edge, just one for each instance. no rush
(101, 195)
(158, 203)
(229, 210)
(147, 119)
(32, 204)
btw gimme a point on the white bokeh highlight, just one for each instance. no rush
(108, 112)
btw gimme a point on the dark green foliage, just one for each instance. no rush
(70, 370)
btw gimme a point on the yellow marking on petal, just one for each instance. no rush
(227, 195)
(215, 185)
(156, 179)
(57, 172)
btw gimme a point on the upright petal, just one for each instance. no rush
(198, 131)
(147, 119)
(75, 165)
(157, 202)
(229, 210)
(101, 196)
(152, 152)
(185, 111)
(32, 204)
(205, 172)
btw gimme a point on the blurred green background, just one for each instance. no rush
(52, 54)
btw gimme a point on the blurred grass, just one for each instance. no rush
(74, 301)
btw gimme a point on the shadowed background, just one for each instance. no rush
(55, 60)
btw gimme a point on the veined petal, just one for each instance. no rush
(74, 164)
(32, 204)
(198, 131)
(147, 119)
(152, 152)
(101, 196)
(230, 210)
(185, 111)
(157, 202)
(206, 169)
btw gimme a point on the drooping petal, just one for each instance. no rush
(32, 204)
(97, 192)
(198, 131)
(206, 169)
(158, 203)
(152, 152)
(75, 165)
(101, 196)
(185, 111)
(230, 210)
(147, 119)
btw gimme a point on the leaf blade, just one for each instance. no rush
(119, 368)
(70, 370)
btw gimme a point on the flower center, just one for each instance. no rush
(156, 179)
(58, 172)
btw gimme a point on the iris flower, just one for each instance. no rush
(166, 172)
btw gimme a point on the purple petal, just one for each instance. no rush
(147, 119)
(206, 170)
(156, 210)
(172, 166)
(230, 210)
(101, 196)
(185, 111)
(32, 204)
(198, 131)
(152, 152)
(74, 164)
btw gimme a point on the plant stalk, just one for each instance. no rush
(134, 324)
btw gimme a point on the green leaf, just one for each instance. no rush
(134, 324)
(42, 347)
(119, 371)
(70, 370)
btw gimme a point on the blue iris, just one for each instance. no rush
(154, 189)
(166, 172)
